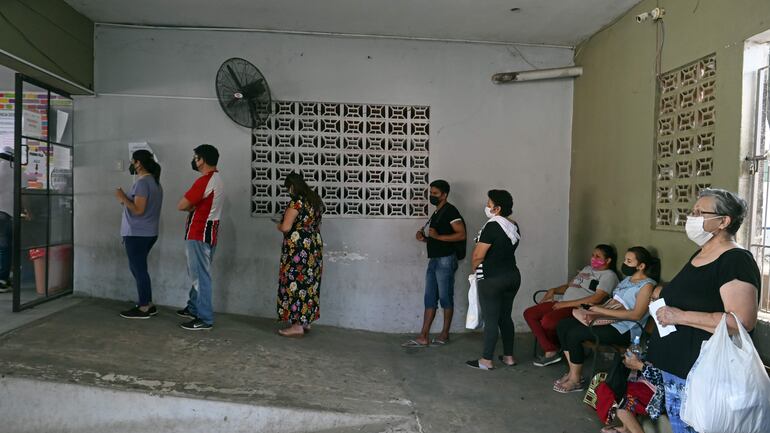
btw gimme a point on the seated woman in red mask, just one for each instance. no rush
(621, 315)
(592, 285)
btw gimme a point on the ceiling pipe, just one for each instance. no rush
(537, 74)
(332, 34)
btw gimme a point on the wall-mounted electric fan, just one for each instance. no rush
(243, 93)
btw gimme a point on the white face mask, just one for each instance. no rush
(488, 212)
(695, 230)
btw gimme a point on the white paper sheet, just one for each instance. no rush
(654, 307)
(31, 124)
(61, 124)
(133, 147)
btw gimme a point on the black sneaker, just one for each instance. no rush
(5, 287)
(136, 313)
(185, 313)
(152, 311)
(542, 360)
(196, 325)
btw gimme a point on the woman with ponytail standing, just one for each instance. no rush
(139, 227)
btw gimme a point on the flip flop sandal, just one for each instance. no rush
(558, 381)
(438, 342)
(475, 364)
(414, 343)
(283, 334)
(564, 390)
(611, 429)
(500, 357)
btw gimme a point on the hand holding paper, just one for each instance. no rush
(663, 330)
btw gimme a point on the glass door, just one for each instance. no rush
(43, 202)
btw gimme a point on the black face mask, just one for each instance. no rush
(434, 200)
(132, 169)
(627, 270)
(194, 166)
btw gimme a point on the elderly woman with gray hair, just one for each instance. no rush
(720, 277)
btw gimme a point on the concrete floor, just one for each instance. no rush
(10, 320)
(331, 370)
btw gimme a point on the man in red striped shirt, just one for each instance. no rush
(203, 204)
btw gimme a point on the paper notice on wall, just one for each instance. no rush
(7, 122)
(61, 124)
(663, 330)
(36, 167)
(133, 147)
(32, 124)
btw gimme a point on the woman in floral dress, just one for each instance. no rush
(299, 282)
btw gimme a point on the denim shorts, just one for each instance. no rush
(440, 282)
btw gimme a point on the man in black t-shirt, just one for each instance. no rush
(445, 236)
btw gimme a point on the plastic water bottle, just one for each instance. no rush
(635, 349)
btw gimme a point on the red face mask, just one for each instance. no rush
(597, 263)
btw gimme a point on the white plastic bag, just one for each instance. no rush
(727, 390)
(473, 319)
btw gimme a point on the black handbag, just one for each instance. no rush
(617, 378)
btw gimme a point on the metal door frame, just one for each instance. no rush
(17, 193)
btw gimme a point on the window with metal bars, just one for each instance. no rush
(759, 186)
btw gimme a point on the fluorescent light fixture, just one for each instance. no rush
(537, 74)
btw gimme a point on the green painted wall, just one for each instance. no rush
(53, 36)
(611, 192)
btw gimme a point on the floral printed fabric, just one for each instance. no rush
(638, 396)
(657, 402)
(299, 281)
(674, 392)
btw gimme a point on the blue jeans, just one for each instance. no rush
(137, 249)
(440, 282)
(199, 256)
(6, 245)
(674, 386)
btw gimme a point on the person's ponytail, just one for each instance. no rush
(655, 269)
(154, 169)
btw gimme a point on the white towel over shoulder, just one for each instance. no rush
(508, 227)
(510, 230)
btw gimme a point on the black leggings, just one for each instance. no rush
(572, 334)
(496, 298)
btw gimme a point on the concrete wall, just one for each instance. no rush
(482, 136)
(612, 141)
(51, 35)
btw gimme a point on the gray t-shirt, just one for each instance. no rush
(580, 286)
(145, 224)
